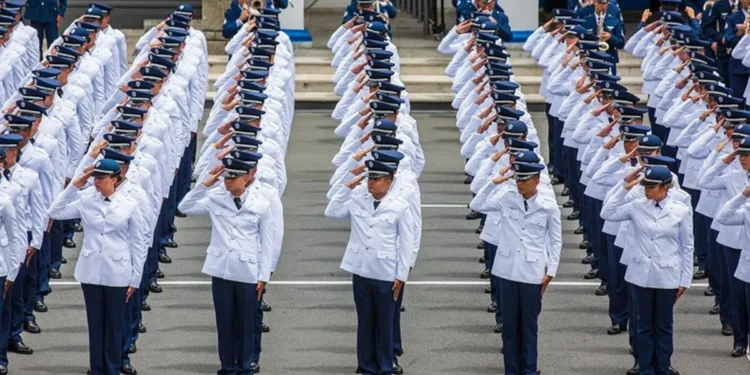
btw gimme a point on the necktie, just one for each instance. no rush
(376, 204)
(657, 205)
(238, 202)
(106, 199)
(6, 173)
(60, 92)
(633, 162)
(525, 205)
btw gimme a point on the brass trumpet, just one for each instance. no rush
(708, 5)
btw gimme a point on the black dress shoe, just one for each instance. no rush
(64, 260)
(88, 372)
(565, 192)
(709, 292)
(578, 231)
(255, 367)
(479, 229)
(635, 369)
(171, 244)
(266, 328)
(739, 352)
(77, 227)
(601, 290)
(55, 274)
(397, 370)
(164, 258)
(673, 371)
(473, 215)
(715, 310)
(172, 228)
(498, 328)
(482, 261)
(3, 370)
(617, 329)
(132, 349)
(192, 179)
(141, 328)
(587, 259)
(574, 215)
(31, 327)
(592, 274)
(128, 369)
(480, 246)
(468, 180)
(403, 308)
(154, 287)
(492, 308)
(488, 290)
(145, 306)
(568, 204)
(40, 307)
(502, 350)
(159, 274)
(69, 243)
(179, 213)
(584, 245)
(265, 307)
(485, 274)
(700, 275)
(556, 181)
(20, 348)
(726, 330)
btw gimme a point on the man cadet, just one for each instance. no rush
(378, 274)
(528, 261)
(45, 17)
(239, 275)
(612, 28)
(713, 26)
(729, 175)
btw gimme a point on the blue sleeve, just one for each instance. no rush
(391, 11)
(617, 40)
(63, 6)
(639, 26)
(730, 33)
(696, 26)
(708, 26)
(280, 4)
(572, 4)
(503, 28)
(230, 26)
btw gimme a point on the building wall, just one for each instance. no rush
(129, 14)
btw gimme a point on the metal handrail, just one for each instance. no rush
(425, 12)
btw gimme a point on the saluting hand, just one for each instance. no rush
(357, 170)
(81, 180)
(355, 182)
(97, 149)
(633, 175)
(211, 180)
(631, 184)
(463, 27)
(626, 157)
(729, 158)
(361, 153)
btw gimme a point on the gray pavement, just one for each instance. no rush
(446, 328)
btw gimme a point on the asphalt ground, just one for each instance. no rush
(446, 329)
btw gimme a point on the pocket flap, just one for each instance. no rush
(121, 256)
(386, 254)
(246, 257)
(353, 248)
(213, 251)
(534, 256)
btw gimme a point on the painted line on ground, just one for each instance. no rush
(345, 282)
(444, 205)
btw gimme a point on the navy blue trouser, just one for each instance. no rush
(23, 297)
(258, 329)
(558, 150)
(375, 308)
(617, 288)
(104, 309)
(166, 216)
(655, 329)
(633, 314)
(5, 322)
(699, 231)
(54, 239)
(56, 253)
(45, 30)
(521, 304)
(494, 284)
(597, 241)
(738, 83)
(398, 345)
(721, 275)
(739, 314)
(132, 317)
(235, 305)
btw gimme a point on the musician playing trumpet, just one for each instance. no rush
(607, 25)
(241, 11)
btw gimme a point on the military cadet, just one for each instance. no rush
(713, 26)
(107, 285)
(378, 274)
(608, 27)
(727, 175)
(525, 265)
(660, 268)
(238, 275)
(735, 29)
